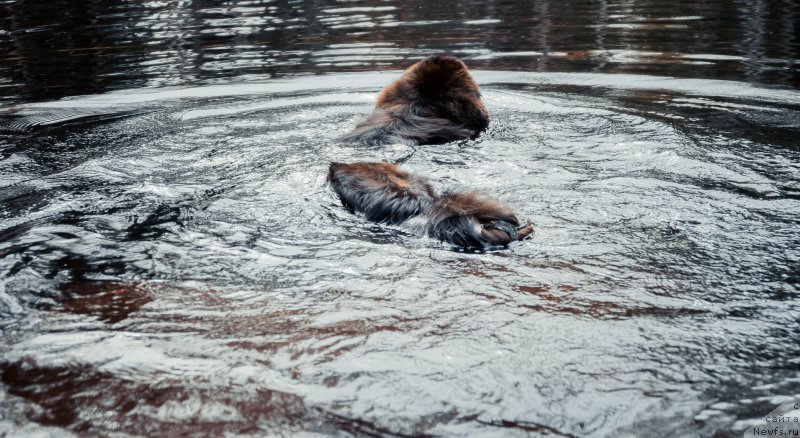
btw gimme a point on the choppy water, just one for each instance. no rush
(171, 261)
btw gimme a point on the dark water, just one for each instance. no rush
(172, 263)
(55, 48)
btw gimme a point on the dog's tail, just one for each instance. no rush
(474, 221)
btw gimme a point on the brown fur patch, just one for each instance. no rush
(436, 100)
(378, 175)
(473, 220)
(381, 191)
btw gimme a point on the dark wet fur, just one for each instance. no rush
(474, 221)
(434, 101)
(381, 191)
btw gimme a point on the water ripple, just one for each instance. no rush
(171, 260)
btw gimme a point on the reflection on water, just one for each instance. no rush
(92, 45)
(172, 263)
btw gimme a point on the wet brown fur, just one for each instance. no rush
(435, 101)
(385, 193)
(381, 191)
(473, 220)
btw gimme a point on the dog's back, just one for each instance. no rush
(385, 194)
(381, 191)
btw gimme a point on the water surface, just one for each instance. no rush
(66, 47)
(172, 262)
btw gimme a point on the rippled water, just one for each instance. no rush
(172, 262)
(94, 45)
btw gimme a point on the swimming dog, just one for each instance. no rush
(386, 194)
(435, 101)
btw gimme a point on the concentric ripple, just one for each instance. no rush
(172, 262)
